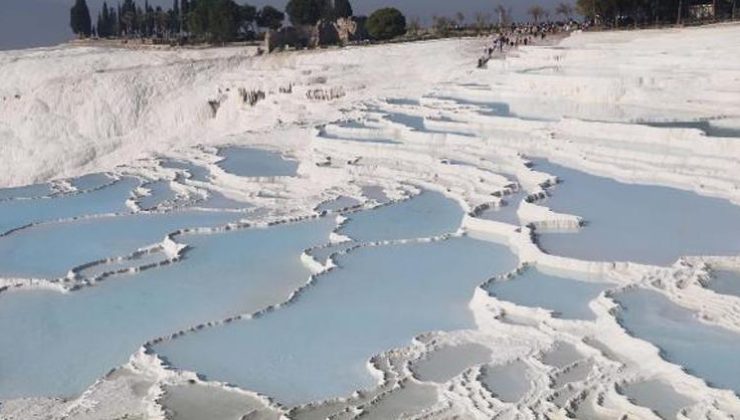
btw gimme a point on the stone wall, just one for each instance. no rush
(343, 31)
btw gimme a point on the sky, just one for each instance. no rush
(33, 23)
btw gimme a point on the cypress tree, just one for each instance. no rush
(119, 21)
(113, 28)
(175, 22)
(101, 26)
(79, 19)
(105, 25)
(184, 15)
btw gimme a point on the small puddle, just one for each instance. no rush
(349, 137)
(338, 204)
(403, 101)
(199, 402)
(507, 212)
(499, 109)
(216, 200)
(658, 396)
(160, 193)
(509, 382)
(725, 282)
(375, 192)
(561, 355)
(576, 373)
(706, 126)
(192, 171)
(447, 362)
(404, 402)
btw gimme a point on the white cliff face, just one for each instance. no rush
(655, 107)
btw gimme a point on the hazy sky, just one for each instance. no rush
(29, 23)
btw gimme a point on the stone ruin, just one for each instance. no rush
(324, 33)
(351, 29)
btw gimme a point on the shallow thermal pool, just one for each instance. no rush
(380, 299)
(427, 215)
(249, 162)
(507, 212)
(28, 191)
(54, 344)
(676, 331)
(509, 382)
(561, 292)
(95, 239)
(112, 199)
(640, 223)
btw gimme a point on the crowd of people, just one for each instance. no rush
(515, 35)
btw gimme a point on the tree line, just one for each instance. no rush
(206, 20)
(212, 20)
(220, 20)
(646, 12)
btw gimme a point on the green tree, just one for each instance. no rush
(270, 17)
(342, 9)
(306, 12)
(79, 19)
(215, 20)
(386, 23)
(184, 15)
(198, 17)
(105, 22)
(128, 17)
(224, 20)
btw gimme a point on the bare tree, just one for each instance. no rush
(565, 10)
(460, 18)
(414, 26)
(442, 24)
(482, 21)
(536, 12)
(503, 15)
